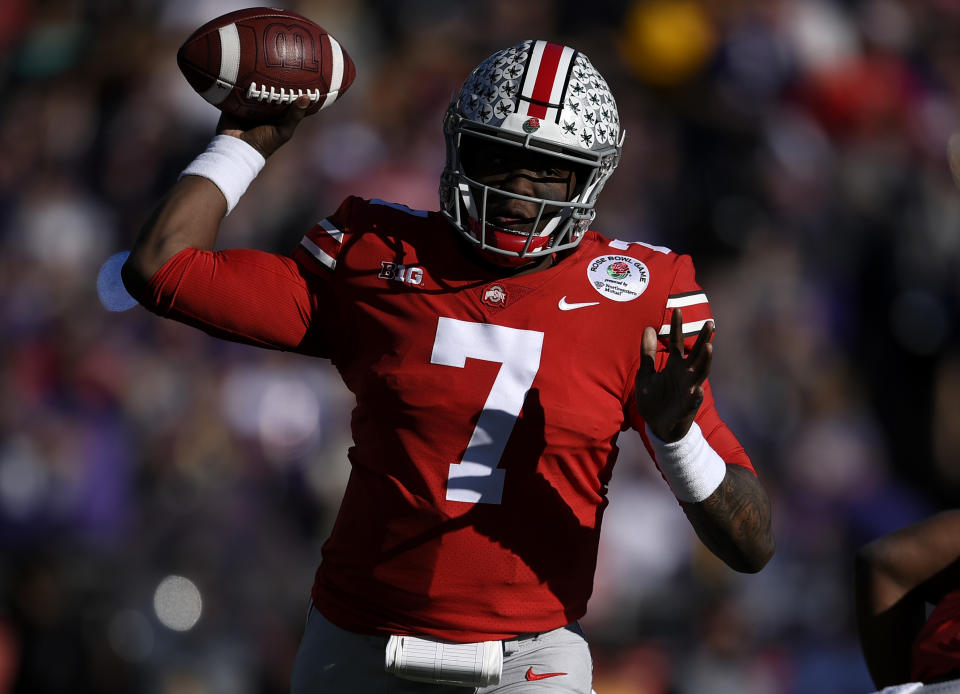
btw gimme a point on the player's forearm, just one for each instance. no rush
(889, 617)
(188, 217)
(734, 522)
(922, 557)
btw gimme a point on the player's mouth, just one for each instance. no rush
(515, 225)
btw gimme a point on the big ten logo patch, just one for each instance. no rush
(408, 274)
(290, 46)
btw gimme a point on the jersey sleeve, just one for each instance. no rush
(691, 299)
(258, 298)
(321, 247)
(241, 295)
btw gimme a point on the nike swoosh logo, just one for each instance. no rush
(533, 677)
(564, 306)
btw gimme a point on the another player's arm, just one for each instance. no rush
(894, 576)
(190, 214)
(734, 521)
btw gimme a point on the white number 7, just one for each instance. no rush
(476, 479)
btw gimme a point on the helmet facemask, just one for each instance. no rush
(580, 131)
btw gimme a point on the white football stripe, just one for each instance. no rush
(533, 67)
(561, 77)
(318, 253)
(336, 77)
(559, 80)
(625, 245)
(530, 80)
(229, 65)
(331, 229)
(686, 328)
(681, 301)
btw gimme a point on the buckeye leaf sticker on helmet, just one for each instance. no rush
(254, 63)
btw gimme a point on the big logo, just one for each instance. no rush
(290, 47)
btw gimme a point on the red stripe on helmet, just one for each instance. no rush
(546, 76)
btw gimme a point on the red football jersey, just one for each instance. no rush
(488, 408)
(936, 650)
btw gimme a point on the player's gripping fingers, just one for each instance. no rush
(266, 137)
(292, 117)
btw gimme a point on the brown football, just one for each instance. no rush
(254, 63)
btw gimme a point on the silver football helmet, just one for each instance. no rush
(545, 98)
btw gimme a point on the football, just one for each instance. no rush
(254, 63)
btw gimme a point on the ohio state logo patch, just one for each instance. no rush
(618, 277)
(494, 295)
(531, 125)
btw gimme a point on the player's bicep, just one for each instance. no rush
(241, 295)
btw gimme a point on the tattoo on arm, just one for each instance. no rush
(735, 521)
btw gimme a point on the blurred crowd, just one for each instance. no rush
(798, 149)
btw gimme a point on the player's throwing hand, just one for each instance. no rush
(669, 399)
(266, 137)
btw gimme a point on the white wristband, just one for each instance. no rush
(692, 468)
(230, 163)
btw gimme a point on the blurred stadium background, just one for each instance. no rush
(164, 496)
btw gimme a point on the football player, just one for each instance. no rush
(497, 349)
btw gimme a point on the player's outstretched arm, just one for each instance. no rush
(894, 576)
(189, 215)
(725, 503)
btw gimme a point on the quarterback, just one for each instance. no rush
(497, 348)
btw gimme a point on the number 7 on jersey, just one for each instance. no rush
(475, 479)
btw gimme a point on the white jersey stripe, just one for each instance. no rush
(689, 300)
(624, 245)
(229, 65)
(686, 328)
(331, 229)
(336, 76)
(318, 253)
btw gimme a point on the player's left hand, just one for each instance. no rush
(669, 399)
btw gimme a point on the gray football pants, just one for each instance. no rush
(331, 661)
